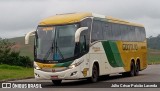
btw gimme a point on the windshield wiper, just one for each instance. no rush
(54, 45)
(59, 51)
(49, 52)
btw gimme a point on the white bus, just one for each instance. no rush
(87, 45)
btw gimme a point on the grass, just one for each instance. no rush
(14, 72)
(153, 56)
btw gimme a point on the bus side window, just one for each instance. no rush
(138, 34)
(107, 33)
(143, 34)
(96, 31)
(116, 31)
(121, 28)
(82, 44)
(125, 33)
(86, 23)
(132, 33)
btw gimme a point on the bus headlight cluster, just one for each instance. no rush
(36, 66)
(76, 64)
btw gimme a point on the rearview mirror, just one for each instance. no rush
(78, 32)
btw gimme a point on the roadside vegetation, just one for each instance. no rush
(154, 42)
(153, 56)
(25, 50)
(12, 64)
(12, 57)
(8, 72)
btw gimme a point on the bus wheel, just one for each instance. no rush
(137, 68)
(132, 71)
(57, 82)
(95, 74)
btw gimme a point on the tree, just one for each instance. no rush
(5, 49)
(11, 57)
(154, 42)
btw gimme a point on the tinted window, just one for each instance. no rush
(116, 32)
(107, 33)
(143, 34)
(125, 33)
(86, 23)
(140, 34)
(103, 30)
(132, 34)
(96, 31)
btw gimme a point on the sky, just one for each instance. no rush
(17, 17)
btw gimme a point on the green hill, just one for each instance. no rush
(25, 50)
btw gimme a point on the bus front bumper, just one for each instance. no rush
(73, 73)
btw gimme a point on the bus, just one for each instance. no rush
(87, 46)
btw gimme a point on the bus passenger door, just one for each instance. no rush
(82, 51)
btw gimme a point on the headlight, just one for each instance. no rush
(76, 64)
(72, 66)
(36, 66)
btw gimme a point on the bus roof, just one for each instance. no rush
(76, 17)
(64, 18)
(120, 21)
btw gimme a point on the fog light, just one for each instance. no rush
(73, 73)
(37, 75)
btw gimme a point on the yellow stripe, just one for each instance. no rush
(42, 65)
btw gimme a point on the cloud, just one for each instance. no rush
(145, 12)
(118, 8)
(18, 15)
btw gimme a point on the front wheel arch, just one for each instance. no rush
(92, 79)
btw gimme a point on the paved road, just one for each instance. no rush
(151, 74)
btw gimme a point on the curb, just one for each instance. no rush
(15, 79)
(153, 63)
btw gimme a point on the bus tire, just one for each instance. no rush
(95, 74)
(132, 71)
(57, 82)
(137, 68)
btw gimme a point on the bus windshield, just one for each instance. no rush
(55, 43)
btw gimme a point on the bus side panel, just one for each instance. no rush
(107, 63)
(133, 50)
(143, 49)
(96, 55)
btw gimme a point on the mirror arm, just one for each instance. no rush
(28, 35)
(78, 32)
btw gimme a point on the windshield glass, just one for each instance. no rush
(56, 43)
(44, 40)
